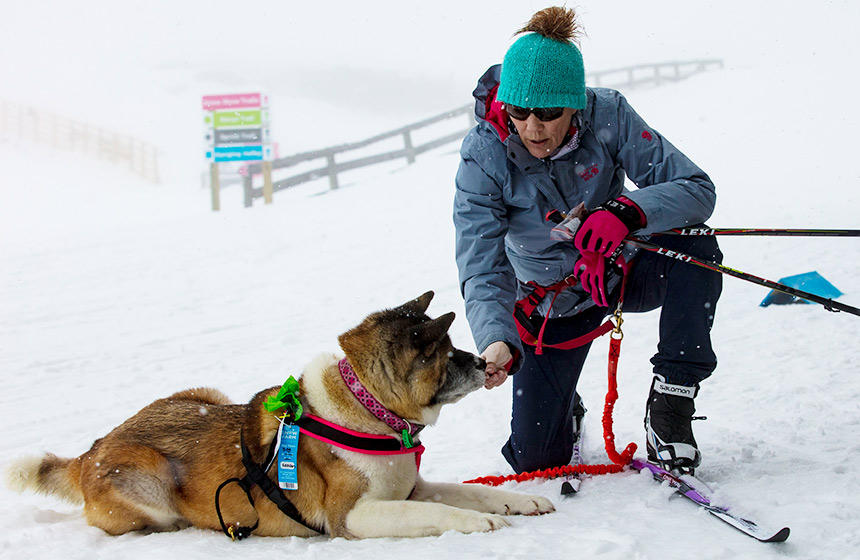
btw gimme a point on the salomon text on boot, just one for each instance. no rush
(668, 416)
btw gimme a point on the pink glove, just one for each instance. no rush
(605, 228)
(590, 270)
(601, 232)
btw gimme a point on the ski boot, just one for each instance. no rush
(668, 415)
(578, 417)
(571, 483)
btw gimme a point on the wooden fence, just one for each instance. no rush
(620, 78)
(28, 124)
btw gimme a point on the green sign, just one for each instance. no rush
(229, 119)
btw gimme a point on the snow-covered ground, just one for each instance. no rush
(114, 292)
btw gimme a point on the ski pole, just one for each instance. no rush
(558, 217)
(779, 232)
(828, 303)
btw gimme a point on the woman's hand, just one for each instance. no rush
(499, 359)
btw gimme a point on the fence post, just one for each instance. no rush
(332, 172)
(215, 186)
(656, 75)
(267, 181)
(248, 187)
(407, 143)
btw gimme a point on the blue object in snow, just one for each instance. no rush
(811, 282)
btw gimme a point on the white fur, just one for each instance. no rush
(377, 518)
(159, 517)
(481, 498)
(21, 474)
(315, 391)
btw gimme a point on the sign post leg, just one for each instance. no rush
(216, 187)
(267, 181)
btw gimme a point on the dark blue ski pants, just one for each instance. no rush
(544, 389)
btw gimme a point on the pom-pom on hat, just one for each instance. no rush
(544, 67)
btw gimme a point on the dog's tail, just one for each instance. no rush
(48, 474)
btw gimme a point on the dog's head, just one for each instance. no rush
(406, 360)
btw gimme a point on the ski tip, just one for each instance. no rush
(780, 536)
(567, 489)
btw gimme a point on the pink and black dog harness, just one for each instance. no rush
(370, 444)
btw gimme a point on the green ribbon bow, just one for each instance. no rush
(287, 397)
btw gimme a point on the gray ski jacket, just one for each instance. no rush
(503, 194)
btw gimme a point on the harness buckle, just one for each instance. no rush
(618, 322)
(231, 531)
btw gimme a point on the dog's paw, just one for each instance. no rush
(528, 505)
(476, 522)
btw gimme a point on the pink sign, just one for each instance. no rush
(232, 101)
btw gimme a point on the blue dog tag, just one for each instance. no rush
(288, 457)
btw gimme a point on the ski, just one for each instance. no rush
(698, 492)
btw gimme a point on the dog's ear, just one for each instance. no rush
(417, 305)
(431, 332)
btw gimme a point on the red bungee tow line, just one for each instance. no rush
(619, 460)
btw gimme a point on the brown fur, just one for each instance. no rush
(159, 469)
(555, 23)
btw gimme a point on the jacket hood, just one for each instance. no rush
(487, 107)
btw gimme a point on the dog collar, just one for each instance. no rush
(375, 407)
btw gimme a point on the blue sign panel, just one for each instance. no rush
(237, 153)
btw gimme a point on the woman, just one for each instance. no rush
(546, 142)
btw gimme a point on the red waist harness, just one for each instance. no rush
(526, 306)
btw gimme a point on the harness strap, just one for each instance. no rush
(237, 532)
(257, 475)
(360, 442)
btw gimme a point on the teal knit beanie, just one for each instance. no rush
(544, 68)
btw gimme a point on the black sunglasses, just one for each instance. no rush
(542, 113)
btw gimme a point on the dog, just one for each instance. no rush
(159, 470)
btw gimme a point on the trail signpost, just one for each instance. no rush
(236, 130)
